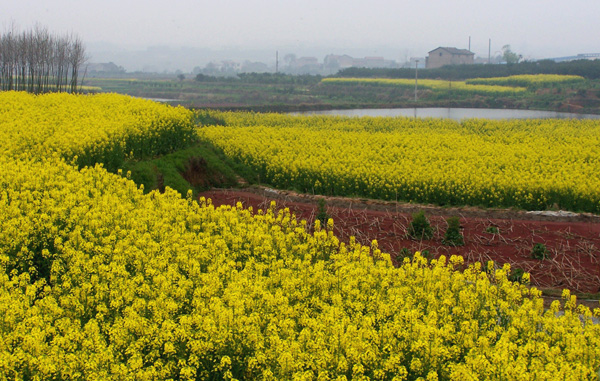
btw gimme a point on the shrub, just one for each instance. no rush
(420, 228)
(453, 236)
(516, 275)
(492, 230)
(322, 212)
(403, 253)
(540, 251)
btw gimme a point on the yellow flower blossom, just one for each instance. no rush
(100, 281)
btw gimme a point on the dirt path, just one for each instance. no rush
(501, 235)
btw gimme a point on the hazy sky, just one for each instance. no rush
(394, 29)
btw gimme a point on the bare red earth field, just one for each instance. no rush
(573, 242)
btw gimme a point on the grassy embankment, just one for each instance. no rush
(197, 167)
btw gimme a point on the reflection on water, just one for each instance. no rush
(454, 113)
(162, 100)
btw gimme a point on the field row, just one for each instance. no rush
(433, 84)
(527, 80)
(103, 128)
(498, 85)
(534, 164)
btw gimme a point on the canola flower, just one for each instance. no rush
(527, 80)
(103, 282)
(100, 281)
(100, 128)
(90, 88)
(434, 84)
(529, 164)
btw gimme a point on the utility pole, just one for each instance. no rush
(276, 61)
(416, 76)
(490, 52)
(469, 43)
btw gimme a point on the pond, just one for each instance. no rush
(454, 113)
(161, 100)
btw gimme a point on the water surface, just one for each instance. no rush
(454, 113)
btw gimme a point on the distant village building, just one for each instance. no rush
(449, 56)
(332, 63)
(254, 67)
(306, 62)
(373, 62)
(296, 65)
(338, 62)
(584, 56)
(303, 65)
(226, 68)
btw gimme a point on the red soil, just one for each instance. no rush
(573, 242)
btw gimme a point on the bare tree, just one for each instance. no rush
(38, 61)
(77, 59)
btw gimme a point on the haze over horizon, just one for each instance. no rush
(192, 33)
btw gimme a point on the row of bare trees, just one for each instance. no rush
(38, 61)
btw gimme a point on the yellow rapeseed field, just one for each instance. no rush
(530, 164)
(104, 128)
(434, 84)
(100, 281)
(527, 80)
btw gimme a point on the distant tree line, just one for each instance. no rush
(38, 61)
(586, 68)
(264, 78)
(280, 78)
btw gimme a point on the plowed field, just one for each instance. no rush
(504, 236)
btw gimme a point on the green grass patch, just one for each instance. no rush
(197, 168)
